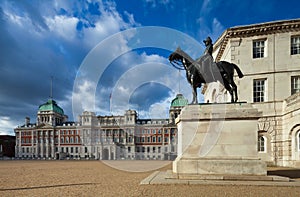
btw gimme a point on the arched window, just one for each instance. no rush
(261, 145)
(62, 140)
(71, 140)
(67, 139)
(76, 139)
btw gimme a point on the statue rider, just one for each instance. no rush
(209, 49)
(209, 46)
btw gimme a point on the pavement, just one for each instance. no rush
(167, 177)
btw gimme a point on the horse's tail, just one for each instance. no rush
(238, 70)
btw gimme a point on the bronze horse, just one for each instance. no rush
(196, 76)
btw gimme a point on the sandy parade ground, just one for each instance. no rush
(95, 178)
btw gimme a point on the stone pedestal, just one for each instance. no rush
(218, 139)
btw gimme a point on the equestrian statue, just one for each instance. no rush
(205, 70)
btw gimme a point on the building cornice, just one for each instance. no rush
(255, 30)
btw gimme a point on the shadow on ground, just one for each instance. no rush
(46, 186)
(293, 173)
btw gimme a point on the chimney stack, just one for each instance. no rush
(27, 121)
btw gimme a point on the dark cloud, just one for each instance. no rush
(28, 60)
(148, 94)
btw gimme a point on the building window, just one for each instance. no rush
(137, 139)
(154, 139)
(258, 49)
(259, 90)
(166, 139)
(295, 83)
(295, 45)
(261, 144)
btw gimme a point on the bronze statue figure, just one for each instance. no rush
(209, 46)
(205, 70)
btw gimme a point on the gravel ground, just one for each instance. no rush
(94, 178)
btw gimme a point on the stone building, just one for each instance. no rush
(98, 137)
(269, 56)
(52, 136)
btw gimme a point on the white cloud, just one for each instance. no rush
(84, 97)
(7, 125)
(206, 7)
(153, 58)
(63, 26)
(20, 24)
(155, 3)
(212, 28)
(161, 109)
(16, 19)
(208, 24)
(217, 28)
(109, 23)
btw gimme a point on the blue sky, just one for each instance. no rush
(40, 39)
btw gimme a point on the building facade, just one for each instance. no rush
(269, 56)
(98, 137)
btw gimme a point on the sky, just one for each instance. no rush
(109, 56)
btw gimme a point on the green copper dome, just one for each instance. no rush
(51, 106)
(179, 101)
